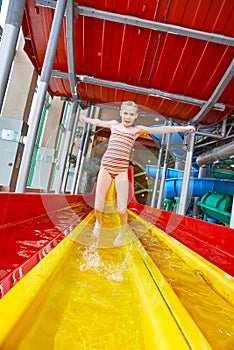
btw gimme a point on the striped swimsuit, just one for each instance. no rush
(116, 157)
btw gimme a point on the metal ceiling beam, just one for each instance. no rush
(216, 94)
(137, 89)
(162, 27)
(143, 23)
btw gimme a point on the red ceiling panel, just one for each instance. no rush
(142, 57)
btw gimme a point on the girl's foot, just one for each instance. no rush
(96, 229)
(119, 239)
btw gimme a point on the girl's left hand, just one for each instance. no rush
(189, 128)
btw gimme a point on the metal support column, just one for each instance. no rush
(196, 208)
(156, 182)
(78, 161)
(9, 41)
(84, 150)
(179, 164)
(66, 147)
(39, 98)
(70, 46)
(160, 196)
(185, 184)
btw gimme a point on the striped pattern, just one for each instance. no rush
(116, 157)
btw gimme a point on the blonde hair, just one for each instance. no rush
(128, 103)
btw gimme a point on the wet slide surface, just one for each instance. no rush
(27, 240)
(93, 297)
(89, 305)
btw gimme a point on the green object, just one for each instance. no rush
(169, 204)
(217, 206)
(220, 173)
(223, 169)
(177, 202)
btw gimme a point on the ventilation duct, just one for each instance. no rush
(220, 153)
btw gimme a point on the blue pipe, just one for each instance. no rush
(151, 170)
(197, 187)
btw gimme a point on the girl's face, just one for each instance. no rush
(128, 115)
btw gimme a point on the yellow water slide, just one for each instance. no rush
(86, 294)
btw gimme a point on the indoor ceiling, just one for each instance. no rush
(173, 57)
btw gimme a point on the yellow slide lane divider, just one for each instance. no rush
(166, 324)
(221, 282)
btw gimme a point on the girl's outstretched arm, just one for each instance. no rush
(99, 122)
(164, 129)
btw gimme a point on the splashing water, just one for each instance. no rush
(92, 261)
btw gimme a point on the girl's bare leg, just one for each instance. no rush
(122, 187)
(103, 184)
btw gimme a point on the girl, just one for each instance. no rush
(115, 162)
